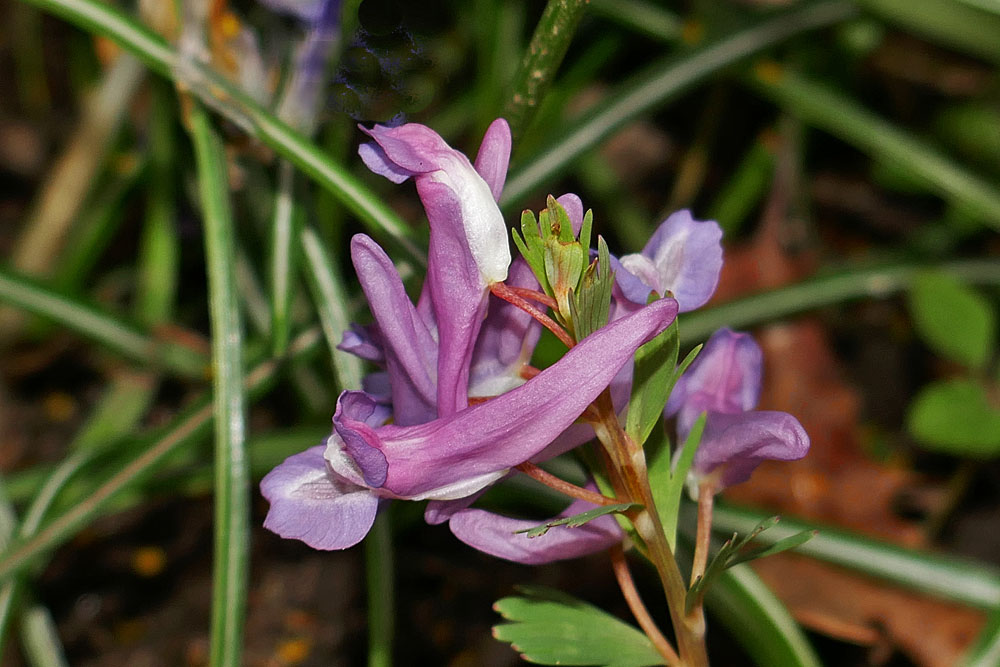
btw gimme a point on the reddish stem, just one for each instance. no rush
(646, 622)
(512, 297)
(534, 295)
(564, 487)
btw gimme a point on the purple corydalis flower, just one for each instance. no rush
(450, 457)
(683, 257)
(468, 242)
(724, 382)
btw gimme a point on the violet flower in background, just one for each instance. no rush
(300, 101)
(305, 10)
(724, 382)
(683, 257)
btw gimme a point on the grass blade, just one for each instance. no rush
(284, 227)
(644, 17)
(876, 282)
(232, 476)
(827, 109)
(985, 652)
(758, 620)
(961, 25)
(946, 577)
(188, 428)
(330, 301)
(40, 639)
(89, 321)
(226, 99)
(661, 82)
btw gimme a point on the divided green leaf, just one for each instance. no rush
(738, 550)
(591, 303)
(953, 319)
(956, 417)
(549, 627)
(578, 519)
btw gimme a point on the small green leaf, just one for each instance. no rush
(956, 417)
(529, 244)
(577, 519)
(790, 542)
(586, 228)
(953, 319)
(591, 303)
(561, 225)
(551, 628)
(737, 550)
(652, 382)
(668, 496)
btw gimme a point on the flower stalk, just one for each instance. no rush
(629, 466)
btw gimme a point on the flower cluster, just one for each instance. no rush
(457, 405)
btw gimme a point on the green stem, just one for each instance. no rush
(379, 570)
(629, 466)
(545, 53)
(232, 476)
(661, 82)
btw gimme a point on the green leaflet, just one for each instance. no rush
(577, 519)
(738, 550)
(955, 416)
(953, 319)
(549, 627)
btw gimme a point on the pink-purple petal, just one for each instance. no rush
(494, 156)
(725, 378)
(376, 160)
(354, 421)
(506, 340)
(409, 348)
(574, 209)
(311, 504)
(683, 257)
(512, 428)
(738, 443)
(496, 535)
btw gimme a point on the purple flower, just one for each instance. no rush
(450, 457)
(724, 382)
(305, 10)
(300, 102)
(468, 242)
(683, 257)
